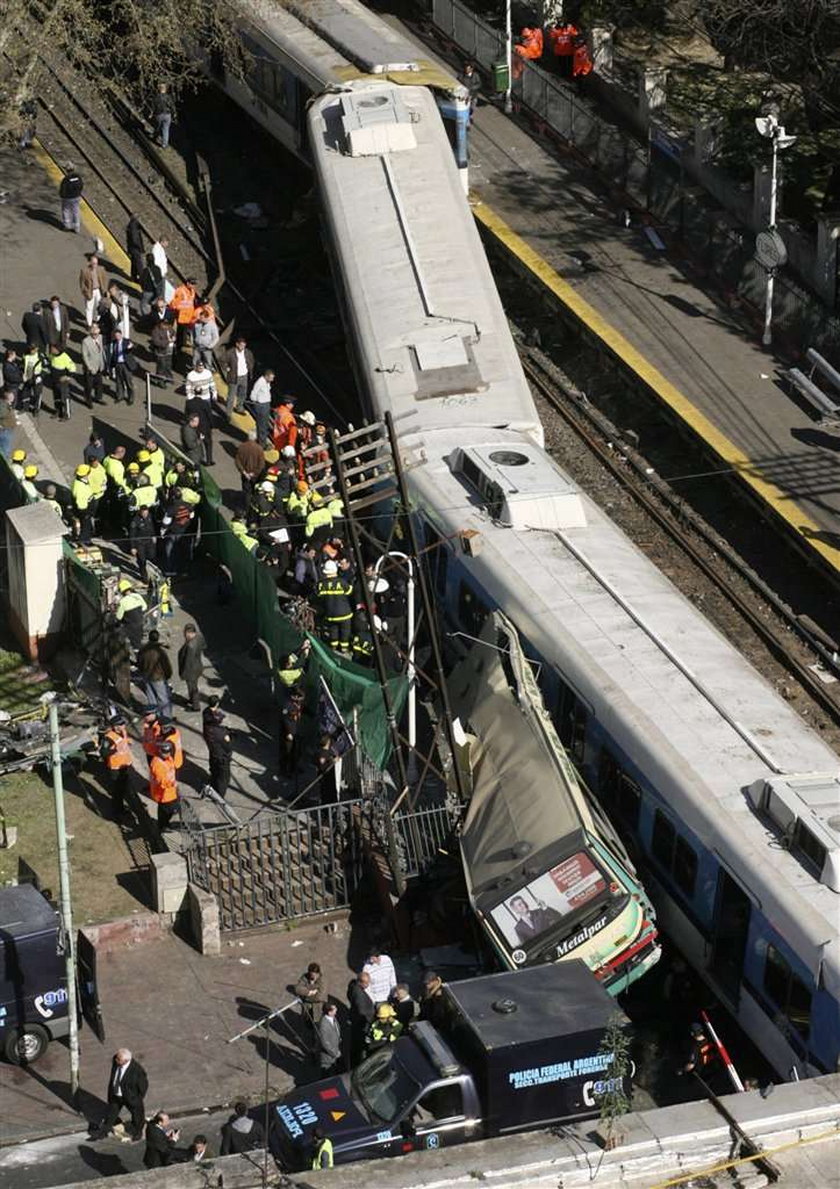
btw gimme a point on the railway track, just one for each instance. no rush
(125, 174)
(695, 538)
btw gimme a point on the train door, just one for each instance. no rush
(729, 940)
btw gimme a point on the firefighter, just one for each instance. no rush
(240, 530)
(144, 494)
(285, 426)
(361, 645)
(163, 784)
(62, 368)
(297, 505)
(334, 595)
(18, 461)
(319, 521)
(115, 750)
(81, 494)
(384, 1029)
(291, 717)
(98, 481)
(30, 474)
(130, 612)
(702, 1052)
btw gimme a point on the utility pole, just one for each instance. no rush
(770, 248)
(508, 57)
(65, 908)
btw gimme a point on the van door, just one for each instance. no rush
(438, 1118)
(729, 940)
(88, 991)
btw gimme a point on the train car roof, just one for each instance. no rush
(428, 327)
(676, 696)
(313, 56)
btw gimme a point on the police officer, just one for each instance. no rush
(115, 749)
(384, 1029)
(291, 668)
(130, 612)
(322, 1155)
(219, 746)
(144, 494)
(334, 595)
(81, 494)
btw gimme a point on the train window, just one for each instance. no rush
(787, 990)
(472, 612)
(570, 718)
(810, 848)
(685, 866)
(662, 842)
(620, 791)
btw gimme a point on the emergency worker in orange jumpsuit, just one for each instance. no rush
(163, 784)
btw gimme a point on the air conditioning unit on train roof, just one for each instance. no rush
(375, 122)
(806, 809)
(520, 486)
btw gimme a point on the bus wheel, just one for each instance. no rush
(25, 1045)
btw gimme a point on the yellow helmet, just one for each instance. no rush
(18, 455)
(316, 498)
(30, 472)
(143, 456)
(81, 470)
(133, 467)
(123, 585)
(385, 1012)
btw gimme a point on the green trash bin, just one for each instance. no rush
(501, 77)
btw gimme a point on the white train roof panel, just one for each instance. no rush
(427, 323)
(359, 34)
(312, 55)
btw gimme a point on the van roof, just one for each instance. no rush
(24, 912)
(552, 1001)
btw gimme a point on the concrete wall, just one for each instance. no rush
(34, 536)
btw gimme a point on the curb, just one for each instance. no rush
(73, 1128)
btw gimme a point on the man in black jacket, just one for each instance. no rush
(191, 663)
(127, 1087)
(70, 193)
(241, 1134)
(362, 1009)
(135, 247)
(160, 1141)
(219, 746)
(56, 323)
(34, 329)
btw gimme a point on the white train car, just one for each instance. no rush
(425, 323)
(727, 797)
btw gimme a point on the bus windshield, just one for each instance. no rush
(558, 896)
(382, 1085)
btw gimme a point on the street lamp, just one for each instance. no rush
(508, 56)
(412, 675)
(770, 249)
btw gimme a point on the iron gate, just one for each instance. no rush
(292, 864)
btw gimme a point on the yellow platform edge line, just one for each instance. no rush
(619, 346)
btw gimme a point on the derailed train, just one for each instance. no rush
(727, 797)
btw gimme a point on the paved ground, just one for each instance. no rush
(176, 1010)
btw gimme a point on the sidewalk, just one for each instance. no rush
(176, 1011)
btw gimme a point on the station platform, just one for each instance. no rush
(700, 359)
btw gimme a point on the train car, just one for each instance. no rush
(727, 799)
(425, 323)
(301, 48)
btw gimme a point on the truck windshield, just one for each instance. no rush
(383, 1086)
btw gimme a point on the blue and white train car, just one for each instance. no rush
(727, 797)
(297, 49)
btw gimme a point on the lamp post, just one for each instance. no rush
(769, 247)
(412, 676)
(65, 904)
(508, 56)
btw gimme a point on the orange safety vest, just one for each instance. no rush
(285, 428)
(163, 787)
(532, 43)
(120, 757)
(581, 62)
(175, 740)
(562, 40)
(183, 302)
(150, 739)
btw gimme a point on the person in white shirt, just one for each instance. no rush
(159, 255)
(200, 382)
(261, 404)
(383, 977)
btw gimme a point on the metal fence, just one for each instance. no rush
(293, 864)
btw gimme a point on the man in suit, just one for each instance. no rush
(160, 1141)
(329, 1041)
(56, 323)
(34, 327)
(127, 1088)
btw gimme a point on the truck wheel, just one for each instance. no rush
(25, 1045)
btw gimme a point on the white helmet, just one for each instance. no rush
(330, 569)
(267, 486)
(307, 418)
(288, 451)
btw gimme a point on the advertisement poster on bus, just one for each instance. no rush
(547, 900)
